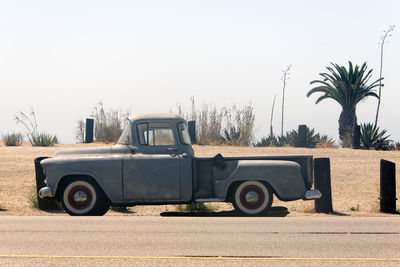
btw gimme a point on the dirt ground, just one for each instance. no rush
(354, 174)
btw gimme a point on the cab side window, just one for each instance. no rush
(155, 134)
(184, 133)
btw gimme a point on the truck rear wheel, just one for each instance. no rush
(82, 197)
(252, 198)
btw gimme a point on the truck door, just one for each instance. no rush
(155, 174)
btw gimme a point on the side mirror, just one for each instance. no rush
(192, 131)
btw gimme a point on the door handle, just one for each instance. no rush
(172, 149)
(132, 149)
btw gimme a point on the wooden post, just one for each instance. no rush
(356, 137)
(388, 187)
(89, 131)
(302, 136)
(322, 177)
(44, 204)
(192, 131)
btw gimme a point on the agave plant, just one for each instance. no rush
(291, 138)
(288, 139)
(232, 136)
(311, 138)
(35, 138)
(372, 137)
(43, 139)
(267, 141)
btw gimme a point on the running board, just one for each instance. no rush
(209, 200)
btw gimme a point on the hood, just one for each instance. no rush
(92, 151)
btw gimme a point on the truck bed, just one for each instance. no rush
(203, 171)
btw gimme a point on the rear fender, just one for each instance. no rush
(284, 178)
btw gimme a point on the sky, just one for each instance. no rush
(62, 57)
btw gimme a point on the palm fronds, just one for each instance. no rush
(347, 87)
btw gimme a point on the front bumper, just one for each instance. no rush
(312, 194)
(45, 192)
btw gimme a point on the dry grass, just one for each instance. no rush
(355, 178)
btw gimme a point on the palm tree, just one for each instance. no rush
(348, 88)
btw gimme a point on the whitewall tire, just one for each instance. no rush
(252, 198)
(83, 197)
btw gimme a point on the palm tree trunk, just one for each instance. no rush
(347, 120)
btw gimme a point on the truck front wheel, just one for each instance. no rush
(252, 198)
(82, 197)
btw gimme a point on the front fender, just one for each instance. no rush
(107, 172)
(284, 177)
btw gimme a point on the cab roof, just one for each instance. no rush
(155, 116)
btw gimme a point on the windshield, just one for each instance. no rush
(126, 136)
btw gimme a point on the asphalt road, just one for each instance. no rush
(225, 241)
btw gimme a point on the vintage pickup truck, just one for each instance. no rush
(154, 163)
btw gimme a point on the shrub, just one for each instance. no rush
(196, 208)
(33, 199)
(14, 139)
(311, 138)
(44, 139)
(35, 138)
(397, 145)
(208, 124)
(372, 138)
(291, 138)
(232, 136)
(393, 146)
(355, 208)
(233, 126)
(80, 131)
(325, 142)
(271, 141)
(288, 139)
(240, 123)
(108, 125)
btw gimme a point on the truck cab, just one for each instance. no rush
(159, 166)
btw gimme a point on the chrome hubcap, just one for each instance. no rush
(80, 197)
(252, 197)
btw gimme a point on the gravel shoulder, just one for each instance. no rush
(354, 173)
